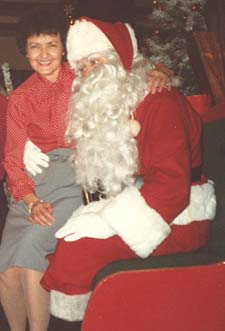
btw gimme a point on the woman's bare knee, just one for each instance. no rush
(10, 277)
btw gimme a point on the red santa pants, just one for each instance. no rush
(74, 264)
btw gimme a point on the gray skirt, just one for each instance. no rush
(25, 244)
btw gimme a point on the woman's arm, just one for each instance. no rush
(21, 186)
(19, 183)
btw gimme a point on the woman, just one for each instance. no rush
(39, 205)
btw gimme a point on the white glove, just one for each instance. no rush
(86, 222)
(34, 159)
(92, 207)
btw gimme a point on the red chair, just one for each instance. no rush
(184, 292)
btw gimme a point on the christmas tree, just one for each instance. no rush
(166, 35)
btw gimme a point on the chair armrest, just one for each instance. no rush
(201, 257)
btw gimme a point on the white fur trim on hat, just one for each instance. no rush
(68, 307)
(85, 38)
(133, 39)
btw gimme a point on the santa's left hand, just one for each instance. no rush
(160, 78)
(89, 225)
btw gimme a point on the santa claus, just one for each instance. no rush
(140, 151)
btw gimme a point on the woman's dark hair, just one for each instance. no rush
(41, 21)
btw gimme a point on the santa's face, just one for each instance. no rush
(88, 64)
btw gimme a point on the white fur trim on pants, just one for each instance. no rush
(68, 307)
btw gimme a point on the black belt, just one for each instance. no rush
(90, 197)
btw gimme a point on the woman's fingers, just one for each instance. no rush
(42, 214)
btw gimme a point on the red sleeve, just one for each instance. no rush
(18, 182)
(165, 153)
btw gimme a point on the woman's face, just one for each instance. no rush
(45, 52)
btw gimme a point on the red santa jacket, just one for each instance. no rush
(171, 211)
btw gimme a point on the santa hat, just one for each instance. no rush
(88, 36)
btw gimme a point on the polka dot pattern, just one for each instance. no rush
(36, 110)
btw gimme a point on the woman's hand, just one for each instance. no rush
(160, 78)
(41, 213)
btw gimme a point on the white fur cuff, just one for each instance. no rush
(140, 226)
(68, 307)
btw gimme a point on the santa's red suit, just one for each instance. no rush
(169, 214)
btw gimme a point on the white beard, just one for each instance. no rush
(98, 121)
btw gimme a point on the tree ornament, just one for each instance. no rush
(71, 10)
(135, 126)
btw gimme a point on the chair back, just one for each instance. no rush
(214, 168)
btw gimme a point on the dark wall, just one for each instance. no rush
(215, 15)
(108, 10)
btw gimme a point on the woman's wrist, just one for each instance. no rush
(31, 200)
(40, 212)
(31, 205)
(164, 69)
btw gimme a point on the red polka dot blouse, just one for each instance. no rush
(36, 110)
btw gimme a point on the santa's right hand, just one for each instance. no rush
(34, 160)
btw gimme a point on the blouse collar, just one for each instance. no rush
(64, 74)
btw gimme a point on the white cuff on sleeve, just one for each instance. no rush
(140, 226)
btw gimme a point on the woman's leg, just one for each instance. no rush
(12, 299)
(21, 296)
(36, 300)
